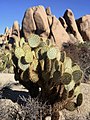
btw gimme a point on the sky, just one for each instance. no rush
(11, 10)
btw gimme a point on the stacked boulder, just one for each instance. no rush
(42, 22)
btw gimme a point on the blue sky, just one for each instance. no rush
(11, 10)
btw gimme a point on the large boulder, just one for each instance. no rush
(72, 27)
(28, 23)
(35, 21)
(41, 21)
(58, 32)
(84, 27)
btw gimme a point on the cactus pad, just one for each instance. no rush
(29, 57)
(79, 99)
(63, 56)
(22, 42)
(77, 75)
(19, 52)
(52, 53)
(67, 63)
(22, 65)
(66, 78)
(26, 47)
(34, 41)
(70, 86)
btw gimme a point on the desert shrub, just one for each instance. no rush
(80, 53)
(31, 109)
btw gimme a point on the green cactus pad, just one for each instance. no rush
(66, 78)
(19, 52)
(44, 49)
(52, 53)
(71, 106)
(58, 55)
(22, 42)
(68, 70)
(26, 47)
(79, 99)
(34, 41)
(77, 75)
(61, 67)
(63, 56)
(75, 67)
(42, 44)
(67, 63)
(22, 65)
(29, 57)
(77, 90)
(70, 86)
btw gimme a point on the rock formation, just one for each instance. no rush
(72, 27)
(16, 29)
(35, 21)
(41, 21)
(58, 32)
(83, 24)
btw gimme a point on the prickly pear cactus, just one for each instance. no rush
(6, 63)
(40, 65)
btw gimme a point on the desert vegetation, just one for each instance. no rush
(50, 67)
